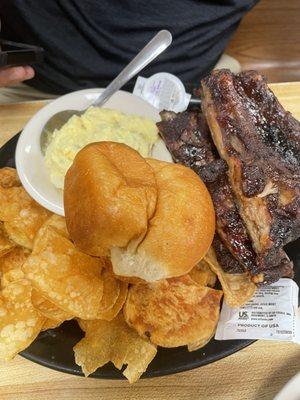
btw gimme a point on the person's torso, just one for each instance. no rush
(87, 42)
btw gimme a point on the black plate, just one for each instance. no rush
(53, 348)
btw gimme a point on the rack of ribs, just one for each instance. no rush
(188, 139)
(260, 143)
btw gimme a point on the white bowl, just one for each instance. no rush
(30, 160)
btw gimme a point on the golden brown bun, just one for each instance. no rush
(109, 196)
(180, 232)
(155, 219)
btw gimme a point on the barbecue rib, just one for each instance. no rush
(188, 139)
(260, 143)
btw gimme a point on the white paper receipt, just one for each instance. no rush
(270, 314)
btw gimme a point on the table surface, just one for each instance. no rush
(257, 372)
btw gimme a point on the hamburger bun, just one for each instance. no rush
(155, 219)
(110, 194)
(180, 232)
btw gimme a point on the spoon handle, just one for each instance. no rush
(156, 46)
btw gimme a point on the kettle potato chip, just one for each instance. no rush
(5, 243)
(65, 276)
(173, 312)
(48, 309)
(56, 222)
(111, 313)
(20, 322)
(237, 288)
(21, 215)
(50, 324)
(111, 290)
(9, 178)
(113, 310)
(203, 275)
(113, 341)
(200, 343)
(11, 265)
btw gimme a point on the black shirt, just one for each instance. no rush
(88, 42)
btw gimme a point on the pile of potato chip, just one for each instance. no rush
(45, 281)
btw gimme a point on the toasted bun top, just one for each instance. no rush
(155, 219)
(109, 195)
(180, 232)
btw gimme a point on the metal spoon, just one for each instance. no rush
(156, 46)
